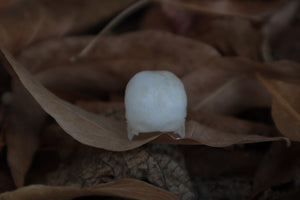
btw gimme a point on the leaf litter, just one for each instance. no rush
(218, 87)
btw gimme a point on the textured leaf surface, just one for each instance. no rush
(127, 188)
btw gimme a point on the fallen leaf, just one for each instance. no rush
(280, 20)
(231, 36)
(164, 51)
(285, 106)
(218, 122)
(180, 19)
(98, 131)
(280, 165)
(254, 10)
(227, 85)
(239, 33)
(114, 60)
(126, 188)
(40, 20)
(214, 81)
(22, 133)
(160, 165)
(211, 126)
(83, 126)
(230, 97)
(232, 124)
(114, 110)
(275, 30)
(216, 138)
(216, 86)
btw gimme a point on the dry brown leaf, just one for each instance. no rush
(227, 85)
(231, 124)
(101, 132)
(235, 35)
(275, 30)
(213, 128)
(84, 78)
(216, 138)
(205, 87)
(163, 51)
(230, 96)
(114, 60)
(280, 165)
(41, 19)
(218, 122)
(180, 19)
(108, 109)
(281, 70)
(160, 165)
(285, 106)
(84, 126)
(254, 10)
(197, 133)
(22, 134)
(231, 36)
(126, 188)
(279, 21)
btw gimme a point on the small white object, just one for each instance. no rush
(155, 101)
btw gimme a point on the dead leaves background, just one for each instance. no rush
(218, 87)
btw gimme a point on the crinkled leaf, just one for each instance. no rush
(160, 165)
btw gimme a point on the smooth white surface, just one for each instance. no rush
(155, 101)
